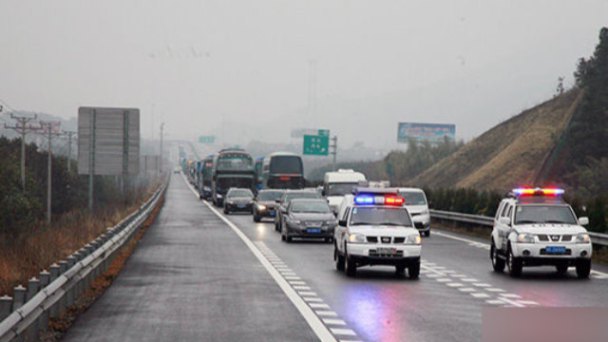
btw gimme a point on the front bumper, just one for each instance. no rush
(237, 207)
(305, 232)
(268, 212)
(535, 254)
(367, 254)
(422, 222)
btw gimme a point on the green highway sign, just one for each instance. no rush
(316, 145)
(323, 132)
(206, 139)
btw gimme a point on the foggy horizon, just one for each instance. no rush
(257, 71)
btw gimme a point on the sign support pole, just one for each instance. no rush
(92, 159)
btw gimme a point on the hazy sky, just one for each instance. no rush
(244, 69)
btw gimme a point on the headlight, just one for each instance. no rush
(292, 221)
(331, 223)
(413, 239)
(220, 196)
(261, 207)
(357, 238)
(425, 212)
(583, 238)
(229, 202)
(525, 238)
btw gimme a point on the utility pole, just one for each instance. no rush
(49, 129)
(160, 162)
(334, 151)
(23, 127)
(69, 134)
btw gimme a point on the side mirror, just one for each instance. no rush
(505, 221)
(342, 223)
(583, 221)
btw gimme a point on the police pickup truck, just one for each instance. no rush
(536, 227)
(375, 228)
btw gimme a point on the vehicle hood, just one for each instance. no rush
(312, 216)
(268, 204)
(383, 230)
(416, 209)
(556, 229)
(240, 199)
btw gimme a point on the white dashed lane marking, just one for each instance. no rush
(478, 290)
(594, 273)
(330, 318)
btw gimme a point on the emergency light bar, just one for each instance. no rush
(538, 192)
(370, 199)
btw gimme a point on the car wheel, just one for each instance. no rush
(498, 264)
(562, 269)
(339, 259)
(226, 211)
(288, 239)
(349, 265)
(400, 270)
(427, 233)
(513, 264)
(256, 218)
(583, 269)
(413, 271)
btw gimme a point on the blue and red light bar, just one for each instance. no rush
(538, 192)
(368, 199)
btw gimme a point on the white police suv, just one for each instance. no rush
(536, 227)
(375, 228)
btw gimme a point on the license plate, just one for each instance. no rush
(386, 251)
(240, 206)
(555, 250)
(271, 213)
(313, 230)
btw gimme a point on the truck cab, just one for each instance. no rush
(339, 183)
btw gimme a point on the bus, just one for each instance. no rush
(282, 170)
(232, 168)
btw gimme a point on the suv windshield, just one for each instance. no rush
(269, 195)
(378, 216)
(240, 193)
(530, 214)
(413, 197)
(340, 189)
(320, 206)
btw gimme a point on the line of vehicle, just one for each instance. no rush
(315, 323)
(594, 273)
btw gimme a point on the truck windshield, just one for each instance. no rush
(340, 189)
(286, 164)
(269, 195)
(380, 216)
(240, 193)
(531, 214)
(413, 197)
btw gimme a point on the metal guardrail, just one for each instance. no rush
(486, 221)
(26, 315)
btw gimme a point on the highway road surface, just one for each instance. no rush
(198, 275)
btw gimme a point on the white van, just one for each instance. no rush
(339, 183)
(418, 206)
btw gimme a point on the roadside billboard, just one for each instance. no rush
(433, 133)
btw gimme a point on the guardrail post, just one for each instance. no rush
(33, 286)
(43, 321)
(63, 266)
(19, 300)
(54, 271)
(6, 305)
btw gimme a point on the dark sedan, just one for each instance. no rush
(309, 218)
(238, 199)
(265, 204)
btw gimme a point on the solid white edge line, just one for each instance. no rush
(313, 320)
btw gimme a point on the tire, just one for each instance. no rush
(561, 269)
(427, 233)
(226, 211)
(498, 264)
(400, 270)
(349, 265)
(583, 269)
(339, 259)
(256, 218)
(513, 264)
(413, 271)
(289, 239)
(329, 240)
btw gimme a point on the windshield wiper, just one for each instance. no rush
(390, 224)
(526, 222)
(556, 221)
